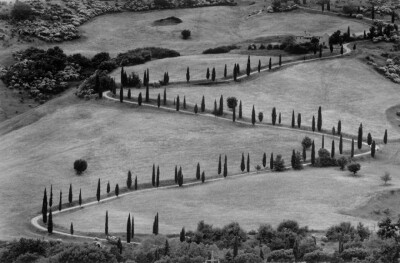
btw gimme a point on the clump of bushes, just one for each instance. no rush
(142, 55)
(324, 159)
(220, 50)
(186, 33)
(306, 142)
(80, 166)
(21, 11)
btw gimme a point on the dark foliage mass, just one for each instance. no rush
(80, 166)
(142, 55)
(219, 50)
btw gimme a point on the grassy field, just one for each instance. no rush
(347, 89)
(210, 27)
(249, 200)
(38, 149)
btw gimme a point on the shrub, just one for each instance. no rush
(349, 254)
(306, 142)
(231, 102)
(21, 11)
(288, 225)
(219, 50)
(185, 33)
(262, 46)
(269, 46)
(324, 159)
(317, 256)
(279, 163)
(342, 162)
(99, 58)
(109, 65)
(345, 228)
(281, 255)
(354, 167)
(386, 177)
(142, 55)
(80, 166)
(296, 163)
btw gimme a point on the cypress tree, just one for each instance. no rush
(328, 5)
(320, 51)
(203, 177)
(198, 172)
(44, 207)
(360, 135)
(158, 176)
(129, 180)
(60, 202)
(129, 94)
(238, 69)
(215, 108)
(208, 74)
(117, 190)
(187, 75)
(248, 162)
(182, 235)
(108, 187)
(385, 137)
(184, 102)
(341, 145)
(235, 246)
(180, 177)
(339, 127)
(293, 121)
(106, 224)
(271, 162)
(133, 228)
(98, 191)
(240, 109)
(242, 165)
(156, 225)
(393, 16)
(136, 186)
(323, 141)
(70, 194)
(312, 153)
(203, 105)
(279, 119)
(373, 149)
(348, 31)
(280, 60)
(248, 69)
(213, 74)
(304, 154)
(219, 165)
(177, 103)
(128, 229)
(299, 120)
(225, 71)
(253, 116)
(369, 139)
(51, 196)
(158, 100)
(313, 123)
(352, 148)
(50, 223)
(333, 149)
(264, 160)
(144, 78)
(259, 65)
(71, 229)
(80, 197)
(140, 99)
(165, 96)
(273, 116)
(153, 176)
(121, 94)
(319, 121)
(147, 93)
(234, 73)
(226, 167)
(341, 50)
(221, 105)
(331, 47)
(293, 159)
(195, 109)
(270, 64)
(234, 114)
(119, 245)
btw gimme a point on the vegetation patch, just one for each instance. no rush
(142, 55)
(172, 20)
(221, 49)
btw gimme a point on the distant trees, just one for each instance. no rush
(198, 171)
(128, 229)
(242, 164)
(129, 180)
(213, 74)
(293, 119)
(226, 167)
(342, 162)
(260, 116)
(385, 137)
(259, 66)
(369, 139)
(98, 191)
(219, 165)
(240, 109)
(296, 161)
(271, 161)
(182, 235)
(248, 68)
(117, 190)
(106, 224)
(248, 162)
(203, 105)
(264, 160)
(225, 71)
(208, 74)
(21, 11)
(50, 223)
(187, 75)
(373, 149)
(70, 194)
(155, 225)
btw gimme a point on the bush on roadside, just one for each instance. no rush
(80, 166)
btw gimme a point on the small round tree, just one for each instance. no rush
(231, 102)
(354, 167)
(80, 166)
(186, 33)
(306, 142)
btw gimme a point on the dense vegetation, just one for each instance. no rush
(219, 50)
(142, 55)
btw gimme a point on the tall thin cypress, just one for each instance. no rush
(319, 121)
(117, 190)
(108, 187)
(280, 118)
(208, 74)
(333, 149)
(259, 66)
(339, 127)
(234, 73)
(341, 144)
(165, 96)
(140, 99)
(158, 100)
(70, 194)
(271, 161)
(128, 229)
(121, 94)
(304, 154)
(323, 141)
(129, 94)
(98, 191)
(129, 180)
(270, 64)
(240, 109)
(80, 197)
(177, 103)
(158, 176)
(203, 177)
(264, 160)
(51, 196)
(219, 165)
(234, 114)
(248, 162)
(280, 60)
(313, 123)
(44, 207)
(352, 148)
(221, 105)
(373, 149)
(273, 116)
(215, 108)
(299, 120)
(153, 176)
(203, 105)
(225, 71)
(133, 228)
(187, 75)
(360, 136)
(312, 153)
(106, 224)
(226, 166)
(248, 69)
(50, 223)
(176, 174)
(385, 137)
(369, 139)
(213, 74)
(198, 171)
(293, 120)
(60, 202)
(136, 186)
(253, 116)
(242, 164)
(71, 229)
(147, 99)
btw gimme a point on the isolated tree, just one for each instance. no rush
(279, 119)
(177, 103)
(313, 123)
(158, 176)
(187, 75)
(319, 120)
(198, 172)
(271, 161)
(226, 167)
(248, 68)
(213, 74)
(140, 99)
(60, 202)
(253, 116)
(44, 207)
(70, 194)
(341, 144)
(136, 185)
(203, 177)
(312, 153)
(155, 228)
(273, 116)
(385, 137)
(195, 109)
(182, 235)
(158, 100)
(165, 96)
(369, 139)
(208, 74)
(225, 71)
(176, 174)
(80, 197)
(293, 120)
(121, 94)
(202, 105)
(333, 149)
(242, 164)
(339, 127)
(117, 190)
(221, 105)
(98, 191)
(264, 160)
(360, 136)
(219, 165)
(352, 148)
(248, 162)
(299, 120)
(50, 223)
(108, 187)
(129, 180)
(259, 66)
(270, 64)
(354, 167)
(260, 116)
(234, 73)
(153, 176)
(240, 109)
(373, 149)
(71, 229)
(386, 177)
(106, 224)
(342, 161)
(184, 102)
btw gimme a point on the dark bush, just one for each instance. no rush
(317, 256)
(99, 58)
(21, 11)
(262, 46)
(324, 159)
(109, 65)
(186, 33)
(306, 142)
(80, 166)
(219, 50)
(163, 3)
(231, 102)
(342, 161)
(359, 253)
(279, 163)
(142, 55)
(281, 256)
(24, 246)
(354, 167)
